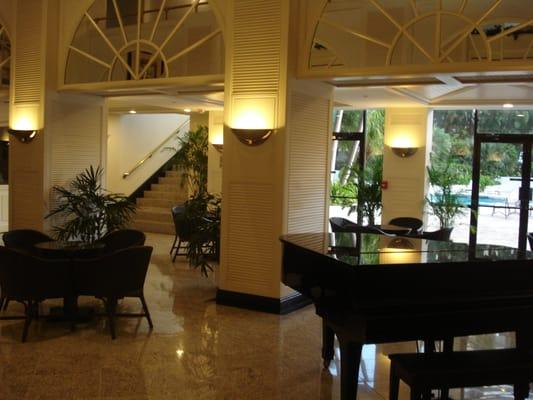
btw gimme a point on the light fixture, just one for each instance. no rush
(132, 112)
(401, 243)
(218, 147)
(252, 137)
(187, 110)
(24, 136)
(404, 152)
(508, 105)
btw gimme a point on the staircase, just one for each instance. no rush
(153, 210)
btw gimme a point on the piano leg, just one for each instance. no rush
(328, 344)
(350, 359)
(524, 342)
(447, 347)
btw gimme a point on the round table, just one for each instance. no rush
(75, 249)
(70, 250)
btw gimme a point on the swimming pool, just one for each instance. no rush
(484, 200)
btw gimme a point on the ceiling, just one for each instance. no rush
(436, 91)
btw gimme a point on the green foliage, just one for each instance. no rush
(191, 159)
(368, 183)
(202, 215)
(202, 210)
(375, 128)
(343, 195)
(454, 132)
(352, 120)
(443, 173)
(88, 211)
(353, 185)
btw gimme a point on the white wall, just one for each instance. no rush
(130, 138)
(405, 177)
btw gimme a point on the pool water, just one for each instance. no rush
(484, 200)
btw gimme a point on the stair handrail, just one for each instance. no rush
(173, 135)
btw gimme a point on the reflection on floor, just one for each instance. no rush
(198, 350)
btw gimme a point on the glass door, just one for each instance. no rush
(501, 189)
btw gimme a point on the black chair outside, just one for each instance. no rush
(530, 240)
(339, 224)
(414, 224)
(113, 277)
(443, 234)
(23, 240)
(182, 230)
(29, 280)
(122, 239)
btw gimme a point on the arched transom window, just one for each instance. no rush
(119, 40)
(389, 33)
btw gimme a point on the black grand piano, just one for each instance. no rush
(374, 289)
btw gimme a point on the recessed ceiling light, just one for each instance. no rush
(508, 105)
(187, 110)
(521, 115)
(132, 112)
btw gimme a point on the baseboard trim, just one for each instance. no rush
(270, 305)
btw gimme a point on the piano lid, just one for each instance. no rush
(371, 249)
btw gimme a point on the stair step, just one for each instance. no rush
(170, 180)
(177, 197)
(153, 214)
(164, 203)
(161, 187)
(174, 174)
(153, 226)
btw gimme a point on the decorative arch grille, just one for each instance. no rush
(385, 33)
(120, 40)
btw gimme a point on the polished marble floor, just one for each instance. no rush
(197, 350)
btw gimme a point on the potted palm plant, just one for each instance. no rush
(202, 210)
(444, 204)
(368, 188)
(86, 211)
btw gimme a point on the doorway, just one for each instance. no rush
(493, 151)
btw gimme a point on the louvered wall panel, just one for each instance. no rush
(27, 200)
(76, 139)
(308, 161)
(257, 46)
(250, 251)
(404, 195)
(28, 58)
(4, 207)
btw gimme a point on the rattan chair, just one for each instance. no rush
(112, 277)
(182, 232)
(339, 224)
(440, 234)
(121, 239)
(414, 224)
(22, 240)
(29, 280)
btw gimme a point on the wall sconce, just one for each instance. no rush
(252, 137)
(401, 243)
(218, 147)
(24, 136)
(404, 152)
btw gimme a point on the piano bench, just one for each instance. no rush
(425, 371)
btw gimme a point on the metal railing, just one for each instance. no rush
(173, 135)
